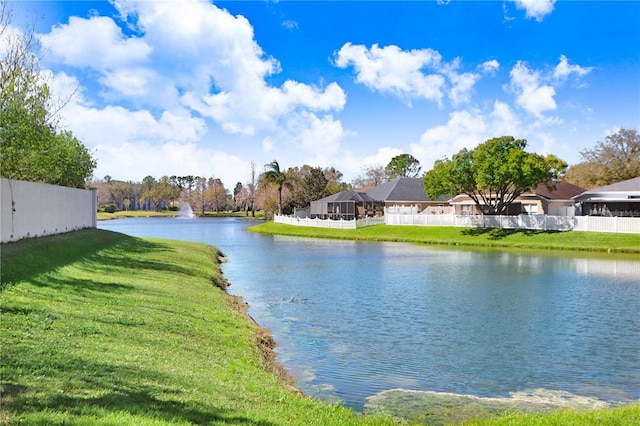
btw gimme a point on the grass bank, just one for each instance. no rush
(628, 415)
(483, 237)
(100, 328)
(135, 213)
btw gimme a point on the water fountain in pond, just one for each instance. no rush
(185, 211)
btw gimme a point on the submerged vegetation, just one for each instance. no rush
(535, 407)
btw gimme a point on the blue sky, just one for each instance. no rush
(202, 88)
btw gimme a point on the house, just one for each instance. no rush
(400, 192)
(463, 205)
(620, 199)
(347, 205)
(556, 200)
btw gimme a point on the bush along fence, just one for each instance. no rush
(532, 222)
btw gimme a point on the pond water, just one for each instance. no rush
(352, 319)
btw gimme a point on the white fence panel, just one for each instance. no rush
(329, 223)
(30, 209)
(534, 222)
(402, 209)
(621, 225)
(369, 221)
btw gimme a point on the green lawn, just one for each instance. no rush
(99, 328)
(136, 213)
(484, 237)
(628, 415)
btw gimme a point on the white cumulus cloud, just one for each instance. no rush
(466, 129)
(564, 70)
(97, 43)
(190, 53)
(390, 69)
(536, 9)
(408, 74)
(489, 66)
(531, 93)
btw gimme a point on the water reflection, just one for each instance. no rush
(353, 319)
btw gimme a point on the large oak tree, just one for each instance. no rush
(612, 160)
(493, 174)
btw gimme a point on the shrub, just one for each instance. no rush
(107, 208)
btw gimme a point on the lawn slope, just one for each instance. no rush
(101, 328)
(483, 237)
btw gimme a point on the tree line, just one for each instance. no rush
(167, 192)
(273, 190)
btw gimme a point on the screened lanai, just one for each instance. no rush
(346, 206)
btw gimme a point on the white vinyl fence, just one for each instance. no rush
(329, 223)
(30, 209)
(535, 222)
(544, 222)
(620, 225)
(626, 225)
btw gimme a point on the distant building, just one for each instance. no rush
(400, 192)
(620, 199)
(346, 205)
(555, 201)
(405, 192)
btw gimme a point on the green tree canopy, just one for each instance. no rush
(31, 147)
(403, 165)
(493, 174)
(314, 185)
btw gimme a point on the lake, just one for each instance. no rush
(352, 319)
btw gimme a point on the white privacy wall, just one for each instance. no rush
(31, 209)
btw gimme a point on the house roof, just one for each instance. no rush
(625, 190)
(630, 185)
(347, 196)
(401, 190)
(562, 191)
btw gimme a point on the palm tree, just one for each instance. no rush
(280, 179)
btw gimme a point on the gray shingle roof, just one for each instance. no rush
(625, 190)
(398, 190)
(630, 185)
(401, 189)
(347, 196)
